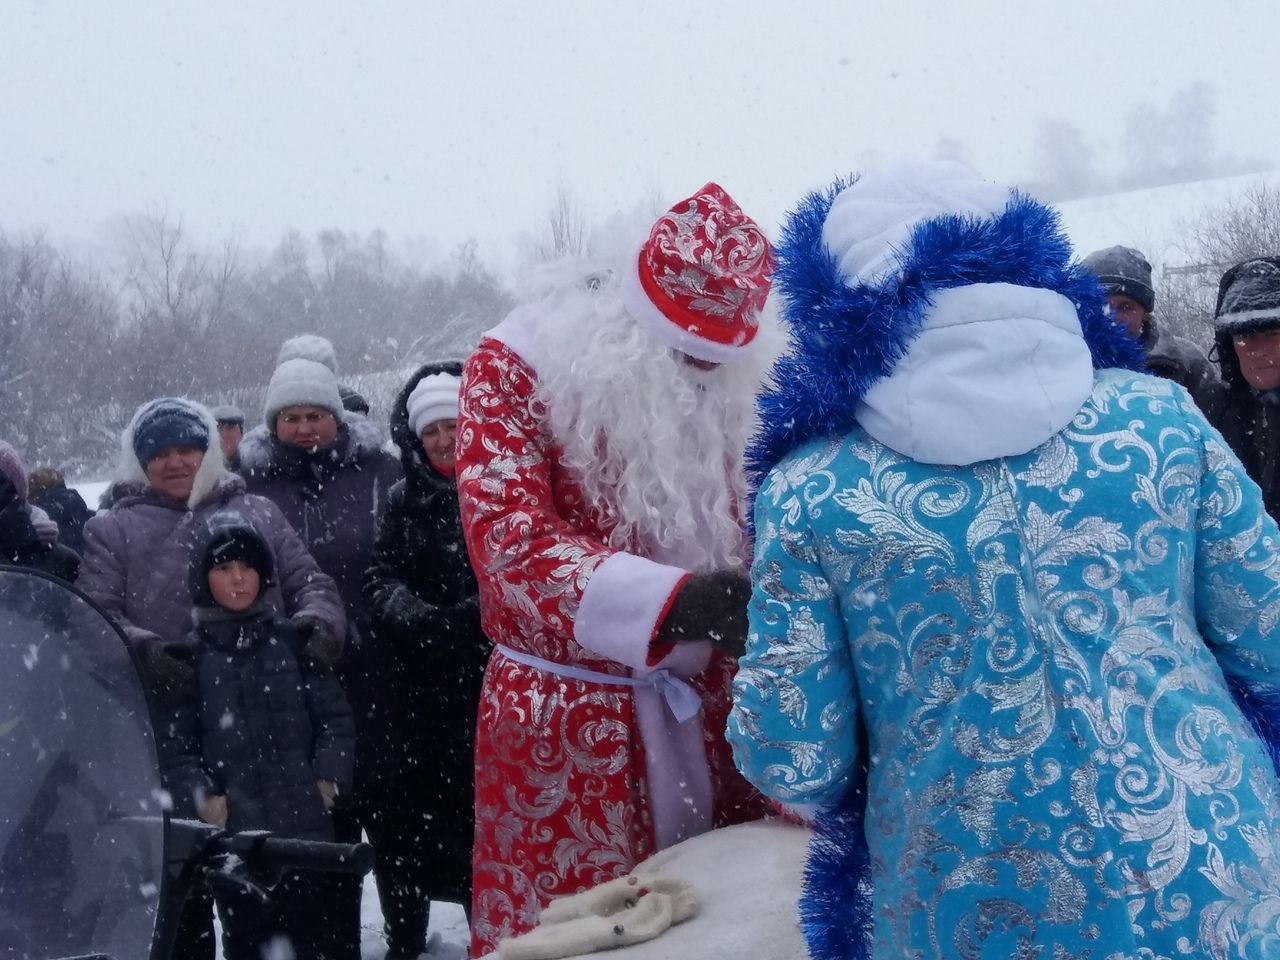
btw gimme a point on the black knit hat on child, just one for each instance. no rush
(227, 538)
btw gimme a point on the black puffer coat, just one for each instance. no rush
(261, 727)
(422, 595)
(1175, 358)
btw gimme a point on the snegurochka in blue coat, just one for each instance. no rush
(1000, 584)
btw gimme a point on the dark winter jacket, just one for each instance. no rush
(333, 499)
(1175, 358)
(1248, 420)
(136, 556)
(422, 594)
(68, 510)
(20, 545)
(261, 727)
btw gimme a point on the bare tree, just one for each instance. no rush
(78, 352)
(1063, 162)
(1174, 144)
(565, 231)
(1221, 236)
(57, 330)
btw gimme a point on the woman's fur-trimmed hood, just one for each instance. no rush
(412, 456)
(847, 338)
(257, 449)
(131, 475)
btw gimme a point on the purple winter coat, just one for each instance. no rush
(136, 557)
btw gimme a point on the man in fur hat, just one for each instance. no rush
(1245, 404)
(600, 444)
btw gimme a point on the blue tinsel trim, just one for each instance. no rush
(836, 906)
(845, 339)
(1260, 704)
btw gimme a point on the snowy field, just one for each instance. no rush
(447, 936)
(90, 490)
(1155, 219)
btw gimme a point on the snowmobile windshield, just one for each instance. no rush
(81, 809)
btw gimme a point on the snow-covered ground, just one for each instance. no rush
(447, 935)
(91, 490)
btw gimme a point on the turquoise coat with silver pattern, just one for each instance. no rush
(1031, 650)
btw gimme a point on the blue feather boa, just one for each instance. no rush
(837, 910)
(844, 339)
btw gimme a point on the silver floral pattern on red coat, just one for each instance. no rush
(560, 786)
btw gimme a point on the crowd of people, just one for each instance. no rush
(1000, 571)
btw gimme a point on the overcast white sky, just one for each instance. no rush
(453, 120)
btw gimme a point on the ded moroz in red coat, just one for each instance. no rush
(576, 780)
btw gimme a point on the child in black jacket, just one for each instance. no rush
(265, 741)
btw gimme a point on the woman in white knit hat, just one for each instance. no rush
(422, 595)
(326, 470)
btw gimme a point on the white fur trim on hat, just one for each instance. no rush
(869, 225)
(301, 383)
(309, 346)
(1229, 321)
(646, 312)
(434, 398)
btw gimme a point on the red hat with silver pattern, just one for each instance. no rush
(702, 277)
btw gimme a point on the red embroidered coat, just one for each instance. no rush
(570, 774)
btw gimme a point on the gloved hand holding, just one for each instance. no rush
(711, 607)
(318, 639)
(167, 668)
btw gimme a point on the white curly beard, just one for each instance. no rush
(657, 444)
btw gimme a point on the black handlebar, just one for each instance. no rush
(249, 861)
(263, 851)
